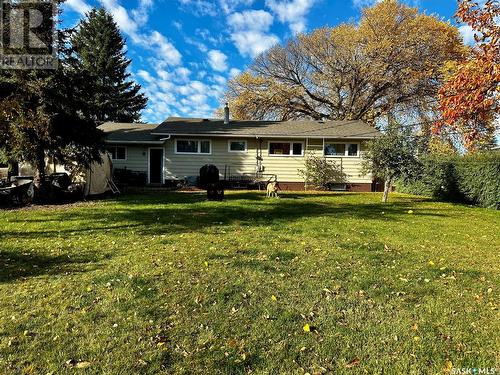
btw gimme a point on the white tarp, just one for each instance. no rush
(98, 175)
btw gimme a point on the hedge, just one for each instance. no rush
(473, 179)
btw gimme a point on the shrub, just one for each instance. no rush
(320, 173)
(469, 179)
(479, 178)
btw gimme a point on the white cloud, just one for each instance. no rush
(250, 32)
(467, 34)
(251, 20)
(121, 17)
(145, 75)
(219, 79)
(182, 73)
(79, 6)
(228, 6)
(252, 43)
(162, 47)
(292, 12)
(200, 7)
(141, 13)
(234, 72)
(217, 60)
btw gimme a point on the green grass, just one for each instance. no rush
(171, 283)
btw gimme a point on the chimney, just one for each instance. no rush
(226, 114)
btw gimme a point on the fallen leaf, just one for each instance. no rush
(273, 297)
(353, 362)
(83, 364)
(307, 328)
(448, 366)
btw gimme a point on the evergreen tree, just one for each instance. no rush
(99, 53)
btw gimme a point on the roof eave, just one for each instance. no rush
(133, 142)
(232, 135)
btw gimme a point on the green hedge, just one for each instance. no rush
(473, 179)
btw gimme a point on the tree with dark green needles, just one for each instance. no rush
(99, 53)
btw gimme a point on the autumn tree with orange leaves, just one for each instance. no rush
(470, 96)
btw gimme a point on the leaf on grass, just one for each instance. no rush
(353, 362)
(273, 297)
(83, 364)
(307, 328)
(448, 366)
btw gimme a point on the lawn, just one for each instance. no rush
(309, 283)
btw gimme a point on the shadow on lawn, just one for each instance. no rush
(179, 213)
(18, 264)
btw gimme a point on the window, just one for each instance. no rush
(237, 146)
(341, 149)
(334, 149)
(285, 148)
(352, 149)
(117, 152)
(190, 146)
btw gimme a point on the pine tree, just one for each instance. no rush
(100, 55)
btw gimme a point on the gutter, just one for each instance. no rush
(135, 142)
(263, 136)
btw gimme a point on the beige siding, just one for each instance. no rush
(181, 165)
(137, 159)
(285, 167)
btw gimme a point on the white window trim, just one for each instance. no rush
(116, 153)
(234, 151)
(199, 146)
(346, 149)
(282, 155)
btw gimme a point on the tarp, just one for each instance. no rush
(98, 175)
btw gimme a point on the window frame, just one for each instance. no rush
(116, 152)
(346, 149)
(291, 155)
(199, 140)
(237, 140)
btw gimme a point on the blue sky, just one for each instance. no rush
(184, 51)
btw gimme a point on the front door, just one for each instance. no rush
(155, 165)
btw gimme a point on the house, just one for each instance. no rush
(179, 147)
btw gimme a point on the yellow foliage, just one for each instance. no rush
(395, 57)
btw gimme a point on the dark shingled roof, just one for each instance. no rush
(303, 128)
(152, 133)
(119, 132)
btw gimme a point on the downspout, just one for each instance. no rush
(164, 158)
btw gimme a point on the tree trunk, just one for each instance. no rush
(387, 189)
(39, 169)
(13, 169)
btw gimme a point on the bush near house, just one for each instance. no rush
(468, 179)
